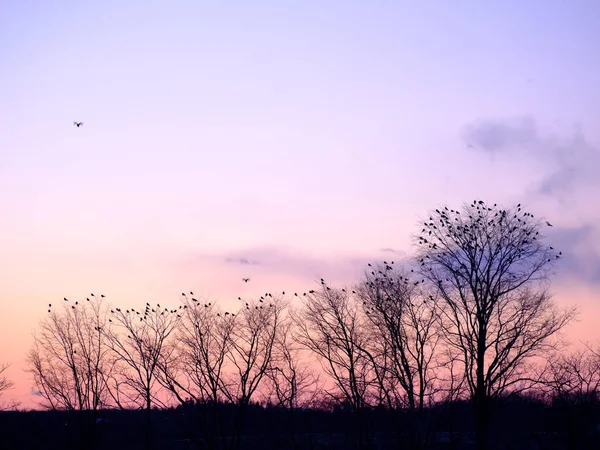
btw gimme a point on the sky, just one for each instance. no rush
(282, 141)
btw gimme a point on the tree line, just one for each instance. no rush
(468, 318)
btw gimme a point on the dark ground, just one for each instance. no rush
(518, 424)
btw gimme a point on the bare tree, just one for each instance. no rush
(292, 382)
(5, 383)
(405, 334)
(138, 340)
(195, 369)
(490, 268)
(332, 326)
(69, 360)
(573, 378)
(203, 341)
(251, 344)
(452, 382)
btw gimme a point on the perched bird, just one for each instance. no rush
(77, 124)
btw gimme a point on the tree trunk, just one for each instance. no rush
(481, 400)
(148, 420)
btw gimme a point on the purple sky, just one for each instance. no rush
(306, 136)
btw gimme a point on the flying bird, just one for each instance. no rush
(549, 224)
(245, 280)
(77, 124)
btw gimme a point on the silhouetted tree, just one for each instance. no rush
(404, 338)
(196, 368)
(69, 360)
(406, 332)
(138, 340)
(490, 268)
(332, 326)
(292, 382)
(571, 381)
(251, 344)
(573, 377)
(452, 383)
(291, 379)
(5, 383)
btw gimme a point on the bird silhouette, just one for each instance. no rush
(245, 280)
(77, 124)
(549, 224)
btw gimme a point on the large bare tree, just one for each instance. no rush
(69, 360)
(491, 269)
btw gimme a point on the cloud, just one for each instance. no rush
(568, 163)
(568, 160)
(287, 261)
(243, 261)
(581, 252)
(391, 250)
(495, 136)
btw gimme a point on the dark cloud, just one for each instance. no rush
(569, 160)
(581, 255)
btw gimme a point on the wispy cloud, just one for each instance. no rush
(501, 136)
(568, 163)
(581, 252)
(288, 261)
(568, 160)
(400, 253)
(243, 261)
